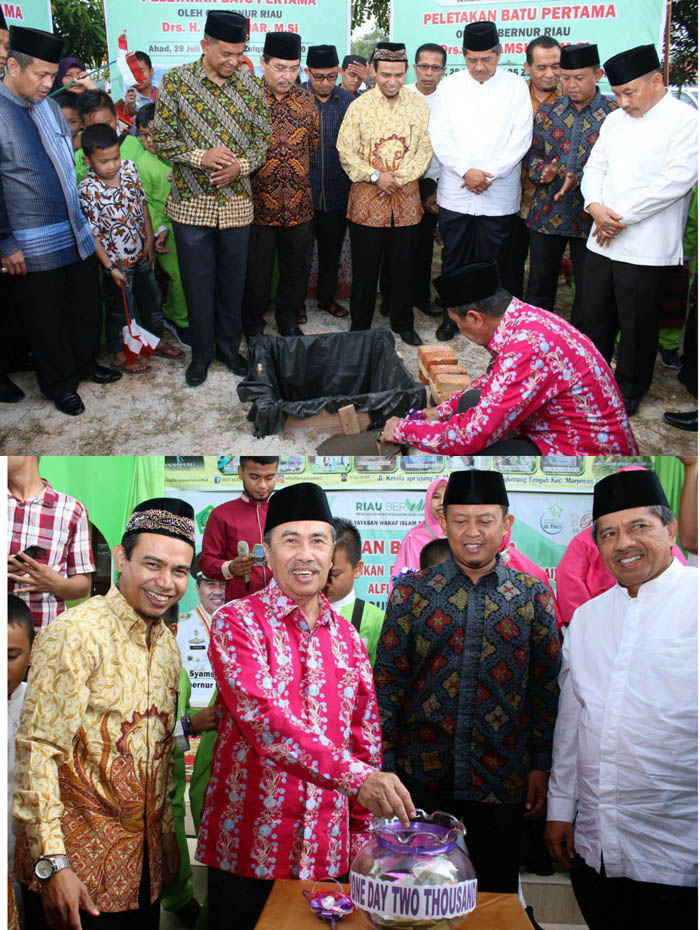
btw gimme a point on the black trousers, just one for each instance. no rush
(545, 261)
(329, 230)
(61, 311)
(421, 262)
(493, 833)
(688, 375)
(505, 446)
(212, 265)
(512, 258)
(147, 917)
(622, 903)
(293, 245)
(235, 901)
(625, 297)
(369, 244)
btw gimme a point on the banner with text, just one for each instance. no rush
(614, 27)
(170, 30)
(34, 14)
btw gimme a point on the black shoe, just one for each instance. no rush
(9, 392)
(428, 308)
(384, 306)
(294, 331)
(181, 333)
(102, 375)
(631, 405)
(196, 374)
(687, 421)
(410, 337)
(189, 913)
(670, 359)
(446, 331)
(70, 404)
(238, 366)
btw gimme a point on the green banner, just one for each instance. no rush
(35, 14)
(170, 30)
(613, 27)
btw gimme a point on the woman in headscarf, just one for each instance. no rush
(408, 558)
(70, 70)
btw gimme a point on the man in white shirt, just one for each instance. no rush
(193, 632)
(636, 185)
(622, 803)
(480, 129)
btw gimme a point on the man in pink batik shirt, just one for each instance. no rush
(548, 391)
(295, 773)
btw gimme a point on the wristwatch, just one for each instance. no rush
(112, 267)
(374, 177)
(47, 866)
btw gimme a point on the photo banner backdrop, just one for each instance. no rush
(34, 14)
(170, 32)
(614, 27)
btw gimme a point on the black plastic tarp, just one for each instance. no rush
(302, 375)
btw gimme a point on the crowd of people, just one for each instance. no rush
(216, 183)
(323, 710)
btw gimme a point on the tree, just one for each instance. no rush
(363, 10)
(82, 25)
(684, 42)
(364, 44)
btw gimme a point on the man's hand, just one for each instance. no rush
(388, 431)
(559, 837)
(227, 175)
(431, 413)
(430, 204)
(171, 857)
(219, 157)
(387, 182)
(14, 264)
(607, 222)
(35, 577)
(384, 796)
(204, 720)
(570, 181)
(477, 181)
(357, 68)
(536, 801)
(549, 172)
(63, 895)
(161, 241)
(241, 566)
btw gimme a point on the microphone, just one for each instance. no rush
(244, 552)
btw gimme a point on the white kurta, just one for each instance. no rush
(644, 168)
(486, 126)
(193, 641)
(433, 169)
(625, 744)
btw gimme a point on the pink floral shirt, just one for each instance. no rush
(547, 381)
(116, 214)
(298, 734)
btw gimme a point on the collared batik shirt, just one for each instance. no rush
(528, 187)
(117, 215)
(298, 734)
(93, 772)
(282, 187)
(547, 381)
(466, 678)
(378, 136)
(193, 114)
(330, 185)
(562, 131)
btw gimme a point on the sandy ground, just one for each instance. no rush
(157, 413)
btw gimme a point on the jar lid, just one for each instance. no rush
(428, 835)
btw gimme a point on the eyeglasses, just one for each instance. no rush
(327, 78)
(436, 68)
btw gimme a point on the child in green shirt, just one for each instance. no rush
(95, 106)
(156, 173)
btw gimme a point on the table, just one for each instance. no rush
(287, 909)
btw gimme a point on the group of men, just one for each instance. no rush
(471, 708)
(262, 167)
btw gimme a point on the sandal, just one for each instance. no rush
(336, 310)
(167, 350)
(127, 368)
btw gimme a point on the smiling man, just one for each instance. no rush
(625, 746)
(93, 776)
(466, 673)
(296, 763)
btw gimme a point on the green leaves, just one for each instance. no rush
(82, 25)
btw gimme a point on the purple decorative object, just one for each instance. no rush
(415, 414)
(329, 905)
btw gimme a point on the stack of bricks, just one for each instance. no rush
(439, 369)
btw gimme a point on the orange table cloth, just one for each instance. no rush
(288, 909)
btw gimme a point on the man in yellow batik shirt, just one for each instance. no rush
(93, 772)
(384, 149)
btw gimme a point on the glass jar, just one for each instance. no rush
(415, 878)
